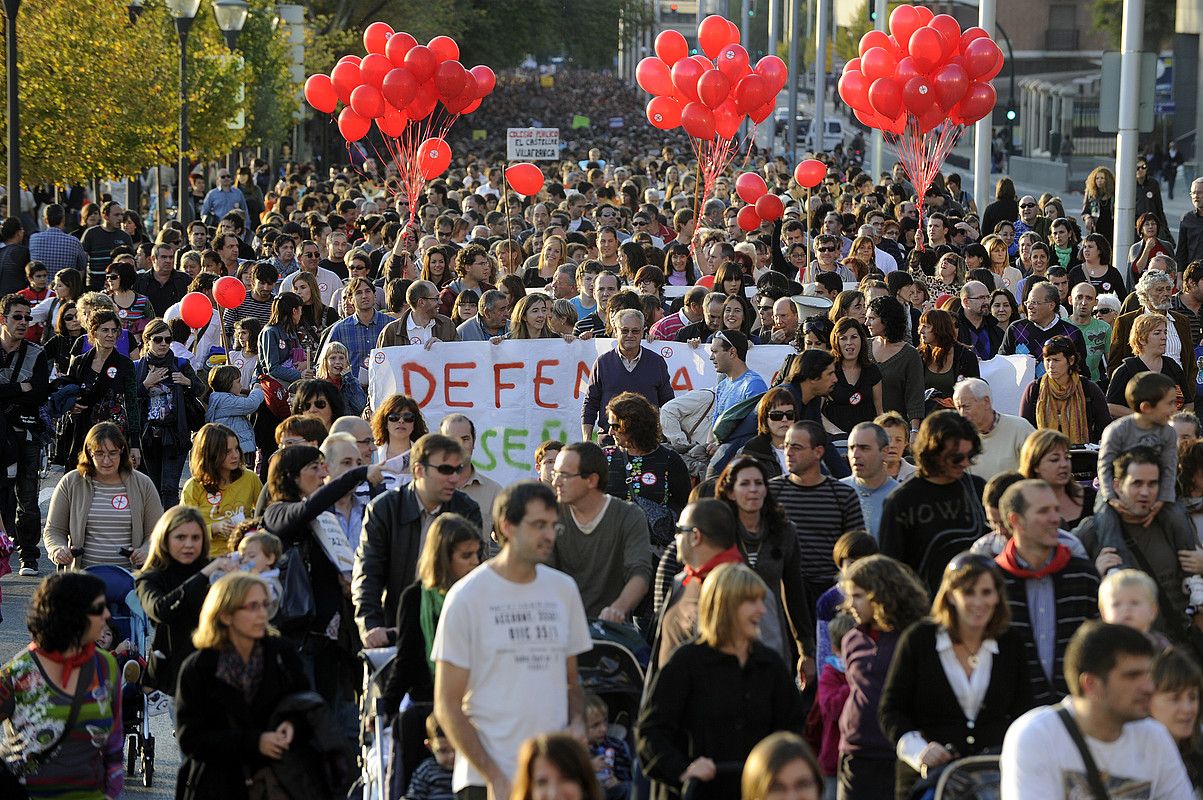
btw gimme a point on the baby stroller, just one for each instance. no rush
(613, 670)
(970, 778)
(131, 623)
(378, 754)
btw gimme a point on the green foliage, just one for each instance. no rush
(271, 95)
(1159, 22)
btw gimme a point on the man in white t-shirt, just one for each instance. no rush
(1107, 668)
(506, 648)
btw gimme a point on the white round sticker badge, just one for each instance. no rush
(120, 502)
(111, 372)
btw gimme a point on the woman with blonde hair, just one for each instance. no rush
(1045, 455)
(718, 696)
(782, 766)
(551, 256)
(1098, 200)
(334, 366)
(950, 276)
(999, 263)
(172, 586)
(1148, 339)
(230, 688)
(220, 487)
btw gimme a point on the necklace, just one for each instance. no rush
(971, 658)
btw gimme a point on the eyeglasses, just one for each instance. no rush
(160, 339)
(765, 309)
(777, 416)
(20, 317)
(630, 331)
(111, 276)
(309, 255)
(105, 455)
(557, 475)
(824, 249)
(683, 528)
(1027, 205)
(444, 469)
(97, 609)
(1102, 312)
(956, 459)
(318, 404)
(254, 606)
(406, 416)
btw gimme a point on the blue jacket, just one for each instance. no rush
(232, 411)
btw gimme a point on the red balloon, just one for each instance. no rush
(918, 95)
(697, 120)
(526, 178)
(877, 63)
(747, 219)
(393, 122)
(228, 291)
(929, 119)
(852, 64)
(927, 49)
(485, 79)
(424, 101)
(444, 48)
(751, 92)
(653, 76)
(770, 208)
(772, 69)
(345, 77)
(734, 31)
(685, 74)
(475, 104)
(854, 90)
(885, 96)
(713, 33)
(452, 79)
(373, 68)
(319, 93)
(950, 29)
(352, 126)
(810, 173)
(977, 103)
(461, 101)
(876, 38)
(906, 70)
(671, 46)
(868, 118)
(904, 21)
(759, 115)
(399, 87)
(434, 156)
(732, 61)
(750, 187)
(421, 62)
(352, 59)
(950, 82)
(398, 45)
(702, 62)
(713, 88)
(664, 112)
(979, 57)
(925, 14)
(970, 34)
(367, 102)
(196, 310)
(727, 119)
(376, 36)
(990, 74)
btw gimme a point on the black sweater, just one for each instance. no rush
(172, 597)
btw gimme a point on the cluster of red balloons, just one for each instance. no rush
(926, 69)
(810, 173)
(761, 206)
(709, 94)
(525, 178)
(398, 80)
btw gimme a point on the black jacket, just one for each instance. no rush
(760, 447)
(703, 703)
(966, 332)
(218, 731)
(410, 674)
(386, 560)
(172, 597)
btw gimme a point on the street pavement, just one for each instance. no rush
(14, 637)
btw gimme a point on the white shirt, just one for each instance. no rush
(419, 334)
(327, 284)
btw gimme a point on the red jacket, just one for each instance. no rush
(833, 692)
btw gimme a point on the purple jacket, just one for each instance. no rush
(610, 378)
(866, 664)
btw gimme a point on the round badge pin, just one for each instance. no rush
(120, 502)
(111, 372)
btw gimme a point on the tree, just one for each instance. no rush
(1159, 21)
(271, 94)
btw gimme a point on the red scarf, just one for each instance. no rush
(729, 556)
(1008, 559)
(70, 663)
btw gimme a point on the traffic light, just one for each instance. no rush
(1012, 114)
(871, 10)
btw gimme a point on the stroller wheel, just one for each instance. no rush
(131, 753)
(148, 761)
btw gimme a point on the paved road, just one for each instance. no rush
(14, 636)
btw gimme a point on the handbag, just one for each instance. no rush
(275, 396)
(1097, 788)
(296, 596)
(12, 784)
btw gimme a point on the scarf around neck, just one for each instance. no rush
(1063, 408)
(69, 663)
(729, 556)
(1008, 559)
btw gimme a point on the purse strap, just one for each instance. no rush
(1092, 771)
(77, 700)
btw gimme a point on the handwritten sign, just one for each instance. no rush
(532, 144)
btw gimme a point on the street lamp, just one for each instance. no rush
(184, 12)
(231, 16)
(11, 7)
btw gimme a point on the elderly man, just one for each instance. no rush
(1190, 229)
(491, 319)
(1154, 289)
(1002, 435)
(711, 321)
(1028, 336)
(630, 367)
(976, 326)
(785, 321)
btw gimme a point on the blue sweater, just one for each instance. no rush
(232, 411)
(609, 378)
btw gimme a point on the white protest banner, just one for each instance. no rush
(1008, 376)
(520, 393)
(532, 144)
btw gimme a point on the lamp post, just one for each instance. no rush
(11, 7)
(184, 12)
(231, 16)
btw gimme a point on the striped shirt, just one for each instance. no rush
(109, 526)
(250, 309)
(822, 514)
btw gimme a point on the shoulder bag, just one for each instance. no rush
(1097, 788)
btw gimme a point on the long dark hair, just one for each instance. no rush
(677, 248)
(774, 524)
(282, 308)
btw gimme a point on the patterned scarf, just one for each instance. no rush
(1063, 408)
(243, 676)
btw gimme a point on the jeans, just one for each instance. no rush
(20, 504)
(865, 778)
(164, 465)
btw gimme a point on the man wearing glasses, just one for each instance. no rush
(630, 367)
(641, 223)
(25, 385)
(1028, 336)
(1031, 220)
(976, 326)
(310, 261)
(422, 323)
(394, 531)
(222, 199)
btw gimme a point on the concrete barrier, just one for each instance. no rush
(1039, 172)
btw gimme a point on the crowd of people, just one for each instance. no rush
(840, 578)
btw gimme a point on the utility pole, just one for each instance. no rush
(791, 124)
(1127, 139)
(983, 133)
(774, 27)
(880, 8)
(821, 25)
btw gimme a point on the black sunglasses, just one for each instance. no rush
(407, 416)
(160, 339)
(777, 416)
(97, 609)
(318, 404)
(444, 469)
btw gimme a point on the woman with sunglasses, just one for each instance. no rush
(775, 412)
(317, 398)
(166, 383)
(396, 425)
(856, 397)
(333, 365)
(957, 680)
(60, 698)
(133, 309)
